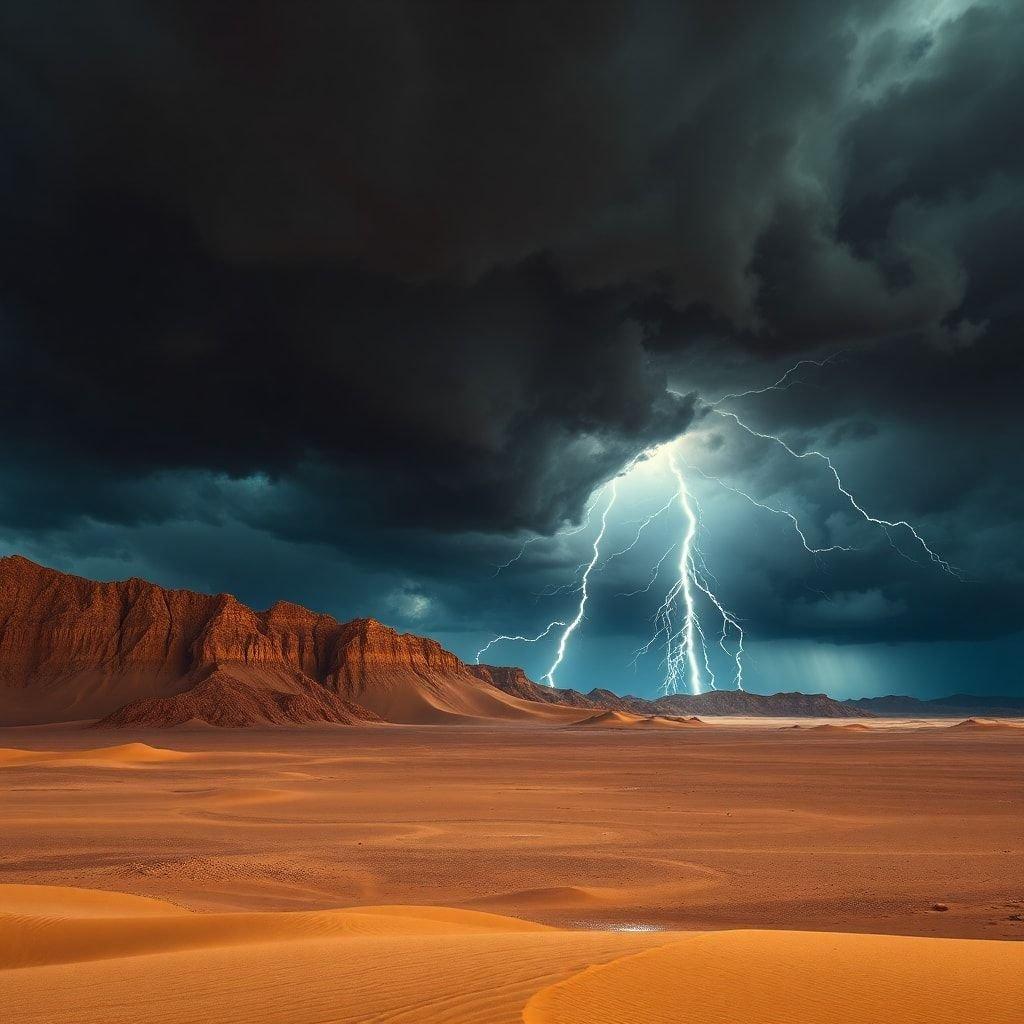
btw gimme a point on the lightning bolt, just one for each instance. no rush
(498, 569)
(701, 577)
(886, 524)
(549, 676)
(785, 513)
(785, 382)
(522, 639)
(678, 623)
(581, 578)
(691, 624)
(644, 523)
(682, 666)
(655, 572)
(677, 620)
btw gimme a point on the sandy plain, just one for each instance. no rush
(739, 871)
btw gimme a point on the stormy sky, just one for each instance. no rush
(344, 302)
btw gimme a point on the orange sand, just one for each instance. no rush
(796, 978)
(62, 960)
(123, 755)
(691, 828)
(239, 846)
(626, 720)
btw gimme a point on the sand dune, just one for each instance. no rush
(553, 896)
(135, 927)
(628, 720)
(127, 755)
(65, 901)
(410, 964)
(110, 958)
(457, 699)
(796, 978)
(991, 724)
(852, 727)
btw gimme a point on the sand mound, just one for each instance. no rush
(796, 977)
(108, 958)
(608, 720)
(63, 901)
(986, 724)
(32, 940)
(413, 964)
(627, 720)
(852, 727)
(125, 755)
(541, 899)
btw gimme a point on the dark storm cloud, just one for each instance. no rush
(495, 404)
(363, 274)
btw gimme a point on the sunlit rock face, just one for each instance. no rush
(71, 648)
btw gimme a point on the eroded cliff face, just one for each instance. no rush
(225, 700)
(513, 680)
(54, 626)
(71, 648)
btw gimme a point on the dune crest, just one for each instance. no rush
(108, 958)
(829, 727)
(628, 720)
(986, 724)
(124, 755)
(797, 977)
(422, 965)
(65, 901)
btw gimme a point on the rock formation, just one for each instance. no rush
(515, 681)
(134, 653)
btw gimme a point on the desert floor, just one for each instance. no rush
(583, 875)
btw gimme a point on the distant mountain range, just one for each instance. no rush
(716, 702)
(133, 654)
(959, 705)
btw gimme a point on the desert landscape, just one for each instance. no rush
(510, 512)
(558, 874)
(214, 813)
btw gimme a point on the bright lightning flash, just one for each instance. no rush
(885, 524)
(678, 625)
(522, 639)
(549, 676)
(678, 620)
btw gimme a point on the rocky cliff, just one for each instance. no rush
(514, 681)
(71, 648)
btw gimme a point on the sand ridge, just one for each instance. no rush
(45, 925)
(629, 720)
(123, 755)
(765, 977)
(109, 958)
(417, 965)
(993, 724)
(852, 727)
